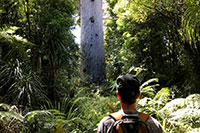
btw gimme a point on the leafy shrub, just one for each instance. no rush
(83, 113)
(19, 84)
(183, 114)
(93, 108)
(10, 119)
(152, 105)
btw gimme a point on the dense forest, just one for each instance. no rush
(43, 87)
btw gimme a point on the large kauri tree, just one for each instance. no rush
(92, 44)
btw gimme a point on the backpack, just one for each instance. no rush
(131, 123)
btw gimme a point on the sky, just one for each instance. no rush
(77, 33)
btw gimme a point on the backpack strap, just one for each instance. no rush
(118, 115)
(143, 117)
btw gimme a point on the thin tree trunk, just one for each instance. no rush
(92, 44)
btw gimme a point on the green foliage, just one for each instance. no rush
(152, 105)
(10, 119)
(148, 88)
(150, 35)
(182, 114)
(23, 87)
(177, 115)
(191, 22)
(81, 115)
(15, 44)
(90, 108)
(37, 51)
(85, 111)
(38, 121)
(39, 64)
(163, 95)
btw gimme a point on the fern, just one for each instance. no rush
(182, 113)
(4, 107)
(39, 120)
(10, 120)
(190, 21)
(162, 97)
(148, 88)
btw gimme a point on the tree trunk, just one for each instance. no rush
(92, 44)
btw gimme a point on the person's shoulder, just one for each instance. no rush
(106, 120)
(105, 124)
(154, 126)
(153, 121)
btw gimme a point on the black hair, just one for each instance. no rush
(128, 88)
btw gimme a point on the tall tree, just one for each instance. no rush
(92, 44)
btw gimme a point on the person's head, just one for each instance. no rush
(128, 88)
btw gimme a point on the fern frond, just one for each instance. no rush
(150, 81)
(183, 112)
(4, 107)
(163, 95)
(7, 116)
(37, 114)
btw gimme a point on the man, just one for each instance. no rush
(128, 92)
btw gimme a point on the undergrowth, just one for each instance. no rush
(83, 113)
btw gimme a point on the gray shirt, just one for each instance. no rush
(106, 124)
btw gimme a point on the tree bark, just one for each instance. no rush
(92, 44)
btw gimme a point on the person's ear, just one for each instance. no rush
(118, 96)
(138, 96)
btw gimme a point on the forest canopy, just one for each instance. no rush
(41, 88)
